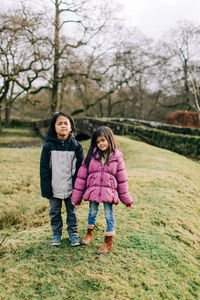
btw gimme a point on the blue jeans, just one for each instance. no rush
(56, 218)
(108, 210)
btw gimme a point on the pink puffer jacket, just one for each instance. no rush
(101, 182)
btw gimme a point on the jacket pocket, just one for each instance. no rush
(89, 181)
(113, 184)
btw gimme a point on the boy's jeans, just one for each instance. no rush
(56, 218)
(108, 210)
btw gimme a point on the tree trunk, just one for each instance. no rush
(0, 120)
(109, 106)
(55, 89)
(7, 113)
(61, 96)
(186, 85)
(100, 110)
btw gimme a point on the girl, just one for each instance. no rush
(60, 160)
(102, 178)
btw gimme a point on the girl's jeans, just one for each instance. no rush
(108, 210)
(56, 218)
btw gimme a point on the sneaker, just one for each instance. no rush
(74, 239)
(56, 240)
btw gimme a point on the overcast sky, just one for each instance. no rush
(154, 17)
(151, 17)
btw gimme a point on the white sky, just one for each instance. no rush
(154, 17)
(151, 17)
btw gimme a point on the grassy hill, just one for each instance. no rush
(156, 252)
(19, 137)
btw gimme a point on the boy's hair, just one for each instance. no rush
(52, 131)
(108, 134)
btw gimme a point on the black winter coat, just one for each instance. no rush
(59, 164)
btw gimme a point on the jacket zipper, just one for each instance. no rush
(101, 180)
(64, 192)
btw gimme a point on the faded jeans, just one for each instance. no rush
(108, 210)
(56, 218)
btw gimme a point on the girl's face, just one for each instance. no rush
(62, 127)
(102, 143)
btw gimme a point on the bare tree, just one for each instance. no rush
(132, 75)
(84, 25)
(47, 60)
(22, 60)
(180, 68)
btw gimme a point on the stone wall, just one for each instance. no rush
(185, 144)
(157, 125)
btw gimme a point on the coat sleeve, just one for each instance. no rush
(122, 181)
(80, 184)
(45, 173)
(79, 160)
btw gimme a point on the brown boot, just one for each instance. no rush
(107, 245)
(89, 235)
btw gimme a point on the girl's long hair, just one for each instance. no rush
(94, 150)
(52, 131)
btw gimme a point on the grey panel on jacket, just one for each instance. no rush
(63, 168)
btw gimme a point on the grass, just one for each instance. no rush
(19, 137)
(156, 247)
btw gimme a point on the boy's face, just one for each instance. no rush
(62, 127)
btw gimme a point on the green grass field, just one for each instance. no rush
(19, 137)
(156, 253)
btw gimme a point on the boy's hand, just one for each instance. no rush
(128, 205)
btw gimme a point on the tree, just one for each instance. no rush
(22, 60)
(47, 60)
(132, 75)
(180, 68)
(76, 13)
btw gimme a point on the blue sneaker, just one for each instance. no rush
(73, 237)
(56, 240)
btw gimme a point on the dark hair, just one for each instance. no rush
(108, 134)
(52, 131)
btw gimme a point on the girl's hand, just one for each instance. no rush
(128, 205)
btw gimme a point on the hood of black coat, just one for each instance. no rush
(50, 138)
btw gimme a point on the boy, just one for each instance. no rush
(61, 158)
